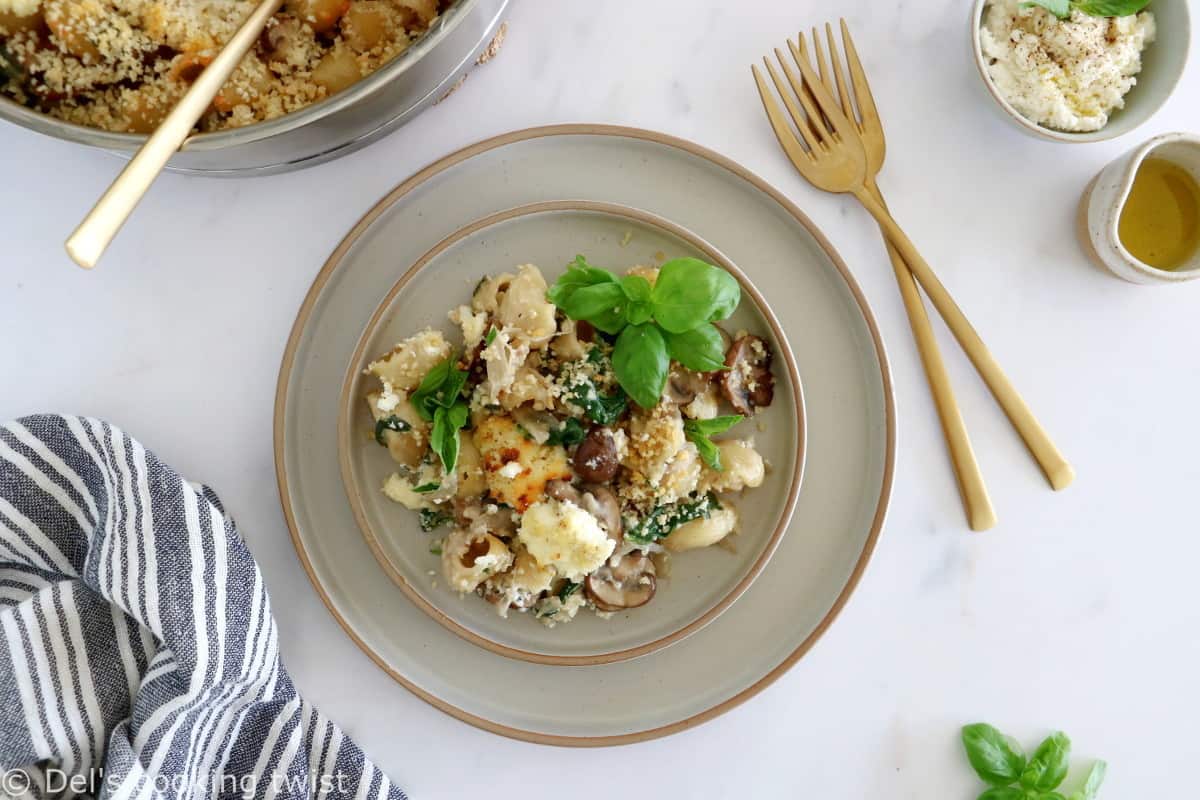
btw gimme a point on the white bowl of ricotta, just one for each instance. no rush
(1084, 78)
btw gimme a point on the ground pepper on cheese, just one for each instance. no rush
(1069, 74)
(120, 65)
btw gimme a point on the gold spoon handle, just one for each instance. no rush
(92, 237)
(1058, 471)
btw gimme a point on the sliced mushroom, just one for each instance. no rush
(564, 492)
(596, 458)
(683, 385)
(601, 503)
(629, 584)
(748, 384)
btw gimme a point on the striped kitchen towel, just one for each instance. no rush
(138, 653)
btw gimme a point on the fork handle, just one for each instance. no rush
(976, 502)
(1056, 468)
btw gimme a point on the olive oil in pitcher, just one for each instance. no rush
(1160, 222)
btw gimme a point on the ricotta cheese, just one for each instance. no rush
(1068, 74)
(562, 535)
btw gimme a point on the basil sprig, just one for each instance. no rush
(1094, 8)
(439, 400)
(1000, 762)
(699, 431)
(653, 324)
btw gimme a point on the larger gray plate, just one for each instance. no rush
(850, 436)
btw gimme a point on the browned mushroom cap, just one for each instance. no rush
(596, 457)
(629, 584)
(601, 503)
(748, 383)
(683, 385)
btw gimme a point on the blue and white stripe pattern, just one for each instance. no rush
(137, 646)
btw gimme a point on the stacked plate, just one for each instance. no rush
(725, 626)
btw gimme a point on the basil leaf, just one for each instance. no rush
(1110, 8)
(1002, 793)
(392, 423)
(996, 758)
(636, 288)
(440, 388)
(579, 274)
(1059, 8)
(443, 439)
(689, 292)
(603, 305)
(640, 363)
(1091, 786)
(1050, 796)
(700, 349)
(570, 433)
(698, 432)
(1048, 766)
(638, 313)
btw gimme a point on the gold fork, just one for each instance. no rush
(833, 157)
(856, 92)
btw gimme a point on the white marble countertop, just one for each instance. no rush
(1080, 611)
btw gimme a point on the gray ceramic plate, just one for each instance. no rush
(703, 583)
(849, 438)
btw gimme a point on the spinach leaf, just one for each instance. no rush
(426, 488)
(569, 588)
(392, 423)
(568, 434)
(689, 292)
(664, 519)
(640, 362)
(432, 518)
(599, 408)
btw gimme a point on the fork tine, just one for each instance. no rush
(840, 74)
(787, 140)
(867, 112)
(809, 122)
(806, 98)
(829, 106)
(819, 59)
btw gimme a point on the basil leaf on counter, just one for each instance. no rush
(1002, 793)
(641, 363)
(689, 292)
(1091, 786)
(1048, 767)
(996, 758)
(701, 349)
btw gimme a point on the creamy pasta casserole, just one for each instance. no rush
(579, 434)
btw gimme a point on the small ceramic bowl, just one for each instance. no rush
(1104, 198)
(1162, 66)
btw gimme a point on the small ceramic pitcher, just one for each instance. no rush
(1100, 209)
